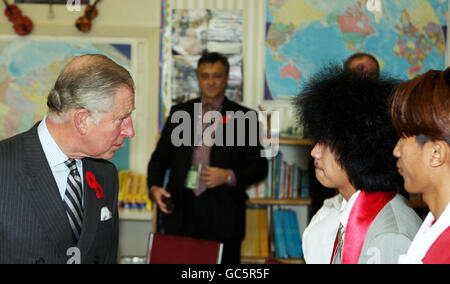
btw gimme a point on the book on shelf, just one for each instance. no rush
(304, 185)
(288, 243)
(295, 181)
(256, 240)
(263, 233)
(268, 181)
(284, 180)
(133, 191)
(279, 235)
(277, 172)
(294, 241)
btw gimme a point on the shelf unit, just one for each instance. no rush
(271, 202)
(289, 141)
(135, 226)
(260, 260)
(135, 215)
(295, 141)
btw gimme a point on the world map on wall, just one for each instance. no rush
(406, 36)
(28, 70)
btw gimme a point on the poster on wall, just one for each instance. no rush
(186, 35)
(408, 37)
(28, 71)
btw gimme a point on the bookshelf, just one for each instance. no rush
(135, 226)
(262, 260)
(296, 151)
(135, 216)
(295, 141)
(285, 201)
(290, 141)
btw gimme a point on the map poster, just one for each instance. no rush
(29, 68)
(186, 35)
(406, 36)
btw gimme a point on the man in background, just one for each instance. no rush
(207, 182)
(362, 64)
(58, 195)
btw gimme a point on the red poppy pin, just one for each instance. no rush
(225, 119)
(92, 182)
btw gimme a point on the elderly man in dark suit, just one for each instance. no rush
(211, 163)
(58, 195)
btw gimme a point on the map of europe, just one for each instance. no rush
(28, 70)
(406, 36)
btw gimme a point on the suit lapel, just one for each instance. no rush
(215, 157)
(92, 208)
(189, 150)
(44, 194)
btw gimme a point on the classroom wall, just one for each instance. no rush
(138, 19)
(117, 14)
(254, 40)
(141, 19)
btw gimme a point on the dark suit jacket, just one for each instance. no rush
(226, 205)
(34, 227)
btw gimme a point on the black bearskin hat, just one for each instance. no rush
(350, 114)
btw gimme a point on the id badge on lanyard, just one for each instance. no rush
(193, 177)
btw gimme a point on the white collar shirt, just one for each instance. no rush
(319, 236)
(56, 158)
(428, 233)
(346, 208)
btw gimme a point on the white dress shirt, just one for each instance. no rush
(320, 235)
(426, 236)
(56, 158)
(347, 208)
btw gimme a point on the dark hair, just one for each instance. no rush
(421, 107)
(213, 57)
(351, 116)
(360, 55)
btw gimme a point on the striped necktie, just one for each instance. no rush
(73, 198)
(340, 245)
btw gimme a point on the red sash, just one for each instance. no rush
(366, 208)
(439, 252)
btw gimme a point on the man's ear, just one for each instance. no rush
(440, 153)
(80, 120)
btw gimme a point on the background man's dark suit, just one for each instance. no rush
(34, 227)
(219, 212)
